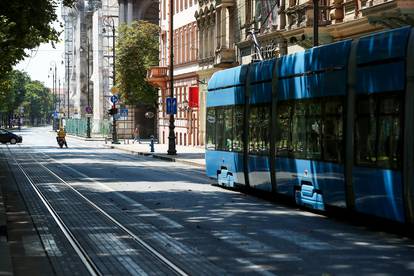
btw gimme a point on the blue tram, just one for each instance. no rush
(330, 126)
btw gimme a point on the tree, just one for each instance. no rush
(12, 92)
(137, 50)
(25, 24)
(38, 102)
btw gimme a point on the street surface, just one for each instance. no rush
(138, 215)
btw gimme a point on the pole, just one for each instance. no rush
(68, 86)
(59, 96)
(88, 118)
(53, 97)
(114, 134)
(54, 100)
(171, 136)
(315, 22)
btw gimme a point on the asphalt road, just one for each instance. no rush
(209, 230)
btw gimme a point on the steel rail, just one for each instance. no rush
(137, 239)
(86, 260)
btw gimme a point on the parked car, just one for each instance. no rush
(9, 137)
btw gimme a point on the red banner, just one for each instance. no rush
(193, 97)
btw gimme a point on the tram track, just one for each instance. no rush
(29, 170)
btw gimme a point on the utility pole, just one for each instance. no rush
(171, 136)
(68, 86)
(54, 92)
(114, 134)
(58, 92)
(315, 23)
(88, 118)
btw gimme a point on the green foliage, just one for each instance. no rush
(137, 50)
(38, 101)
(25, 24)
(12, 90)
(17, 89)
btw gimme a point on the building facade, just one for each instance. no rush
(186, 81)
(139, 115)
(88, 56)
(286, 26)
(90, 35)
(234, 32)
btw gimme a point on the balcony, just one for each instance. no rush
(224, 58)
(157, 76)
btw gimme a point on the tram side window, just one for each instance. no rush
(366, 131)
(297, 147)
(220, 139)
(389, 130)
(228, 129)
(238, 128)
(313, 130)
(332, 131)
(377, 131)
(259, 129)
(283, 127)
(310, 129)
(211, 128)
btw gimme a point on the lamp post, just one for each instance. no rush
(88, 108)
(53, 70)
(68, 84)
(58, 92)
(171, 135)
(315, 23)
(112, 25)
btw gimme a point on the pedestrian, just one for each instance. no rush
(136, 135)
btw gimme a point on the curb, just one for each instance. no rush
(161, 157)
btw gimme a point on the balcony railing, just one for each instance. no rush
(157, 76)
(157, 72)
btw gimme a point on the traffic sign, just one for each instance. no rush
(123, 113)
(114, 90)
(88, 109)
(114, 99)
(171, 105)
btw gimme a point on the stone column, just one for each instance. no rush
(282, 15)
(130, 11)
(121, 11)
(218, 28)
(224, 25)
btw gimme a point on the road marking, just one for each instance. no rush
(303, 241)
(259, 269)
(252, 246)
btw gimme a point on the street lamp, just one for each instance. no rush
(114, 134)
(53, 70)
(315, 22)
(171, 134)
(88, 108)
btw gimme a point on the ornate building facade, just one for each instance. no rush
(186, 82)
(217, 22)
(224, 38)
(286, 26)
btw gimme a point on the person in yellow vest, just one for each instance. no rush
(61, 134)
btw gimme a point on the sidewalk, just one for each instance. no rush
(185, 154)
